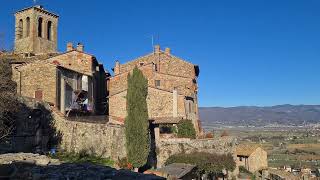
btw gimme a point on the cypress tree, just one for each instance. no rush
(136, 123)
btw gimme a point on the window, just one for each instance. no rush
(38, 95)
(156, 67)
(28, 27)
(40, 27)
(240, 158)
(20, 29)
(157, 83)
(49, 30)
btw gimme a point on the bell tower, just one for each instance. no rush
(35, 31)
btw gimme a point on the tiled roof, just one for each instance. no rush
(246, 149)
(166, 120)
(40, 8)
(283, 174)
(177, 170)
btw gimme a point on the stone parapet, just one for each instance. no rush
(169, 147)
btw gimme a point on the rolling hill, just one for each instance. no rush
(261, 116)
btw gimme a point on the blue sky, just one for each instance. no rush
(250, 52)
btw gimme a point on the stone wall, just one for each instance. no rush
(258, 160)
(169, 64)
(169, 147)
(34, 77)
(26, 37)
(165, 73)
(100, 138)
(77, 61)
(160, 104)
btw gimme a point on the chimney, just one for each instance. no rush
(157, 48)
(80, 47)
(168, 51)
(117, 68)
(69, 46)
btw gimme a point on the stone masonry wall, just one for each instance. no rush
(169, 147)
(76, 61)
(103, 139)
(159, 104)
(257, 160)
(168, 64)
(36, 76)
(33, 43)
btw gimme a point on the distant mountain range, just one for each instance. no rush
(261, 116)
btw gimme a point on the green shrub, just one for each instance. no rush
(206, 163)
(82, 157)
(186, 129)
(242, 169)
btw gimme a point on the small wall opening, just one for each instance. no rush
(20, 29)
(40, 20)
(28, 27)
(38, 94)
(49, 31)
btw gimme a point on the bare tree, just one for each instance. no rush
(8, 101)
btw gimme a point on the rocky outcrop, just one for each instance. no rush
(36, 159)
(35, 166)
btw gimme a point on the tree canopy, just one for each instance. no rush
(8, 101)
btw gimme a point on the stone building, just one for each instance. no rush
(65, 80)
(252, 157)
(172, 88)
(35, 31)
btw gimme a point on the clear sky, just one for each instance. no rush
(250, 52)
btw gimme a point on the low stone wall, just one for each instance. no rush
(103, 139)
(169, 147)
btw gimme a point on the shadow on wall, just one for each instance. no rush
(34, 129)
(28, 170)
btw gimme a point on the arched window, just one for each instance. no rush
(40, 27)
(28, 27)
(49, 30)
(20, 29)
